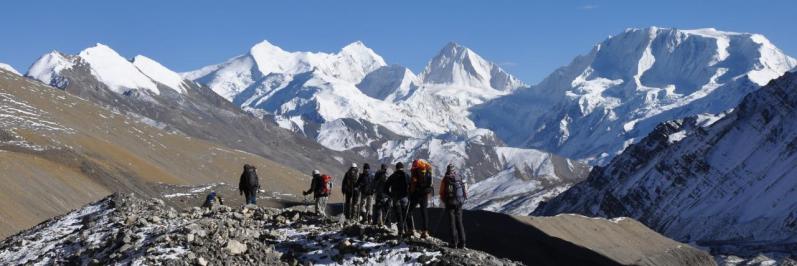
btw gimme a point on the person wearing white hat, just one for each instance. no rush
(321, 188)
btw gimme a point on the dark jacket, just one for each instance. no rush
(378, 186)
(421, 185)
(316, 187)
(364, 183)
(249, 180)
(398, 185)
(349, 181)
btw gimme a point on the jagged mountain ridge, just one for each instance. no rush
(614, 95)
(726, 186)
(146, 88)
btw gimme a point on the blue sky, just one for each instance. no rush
(530, 39)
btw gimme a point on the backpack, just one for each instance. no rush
(421, 182)
(324, 187)
(455, 191)
(211, 198)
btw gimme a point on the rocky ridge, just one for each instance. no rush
(124, 228)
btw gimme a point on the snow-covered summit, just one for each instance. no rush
(459, 66)
(109, 68)
(230, 78)
(115, 71)
(617, 93)
(9, 68)
(47, 68)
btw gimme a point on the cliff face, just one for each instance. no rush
(728, 185)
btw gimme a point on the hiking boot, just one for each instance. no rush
(424, 235)
(461, 246)
(452, 245)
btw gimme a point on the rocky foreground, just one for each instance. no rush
(125, 229)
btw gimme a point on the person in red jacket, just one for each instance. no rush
(453, 194)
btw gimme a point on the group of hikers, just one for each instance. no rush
(380, 198)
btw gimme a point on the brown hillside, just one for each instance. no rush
(59, 152)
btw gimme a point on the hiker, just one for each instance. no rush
(381, 199)
(321, 187)
(212, 199)
(420, 189)
(248, 185)
(364, 186)
(453, 194)
(349, 179)
(397, 187)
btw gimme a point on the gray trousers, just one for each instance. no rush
(321, 206)
(366, 206)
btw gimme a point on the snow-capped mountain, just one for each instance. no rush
(616, 94)
(382, 112)
(9, 68)
(728, 186)
(109, 68)
(144, 88)
(231, 78)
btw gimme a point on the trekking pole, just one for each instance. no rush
(406, 215)
(305, 203)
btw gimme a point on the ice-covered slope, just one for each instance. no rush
(729, 186)
(616, 94)
(390, 83)
(9, 68)
(159, 73)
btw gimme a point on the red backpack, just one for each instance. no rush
(326, 185)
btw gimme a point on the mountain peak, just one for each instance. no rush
(266, 47)
(47, 68)
(115, 71)
(9, 68)
(363, 54)
(452, 46)
(100, 49)
(356, 45)
(458, 65)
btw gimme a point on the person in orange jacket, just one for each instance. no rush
(420, 190)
